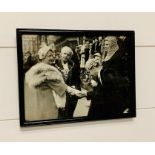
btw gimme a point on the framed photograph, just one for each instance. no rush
(75, 75)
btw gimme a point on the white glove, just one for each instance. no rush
(72, 91)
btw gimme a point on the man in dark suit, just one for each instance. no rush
(27, 61)
(97, 45)
(110, 97)
(71, 74)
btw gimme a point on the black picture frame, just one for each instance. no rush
(129, 45)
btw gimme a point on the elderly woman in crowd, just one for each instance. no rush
(44, 85)
(45, 89)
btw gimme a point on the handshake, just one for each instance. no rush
(78, 93)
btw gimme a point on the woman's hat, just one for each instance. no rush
(43, 52)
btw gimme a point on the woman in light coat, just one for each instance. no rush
(45, 90)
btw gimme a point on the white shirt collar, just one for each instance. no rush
(99, 75)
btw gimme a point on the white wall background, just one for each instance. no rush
(141, 128)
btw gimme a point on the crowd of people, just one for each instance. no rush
(95, 70)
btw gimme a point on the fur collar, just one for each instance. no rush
(40, 73)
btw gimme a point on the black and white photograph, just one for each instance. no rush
(75, 75)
